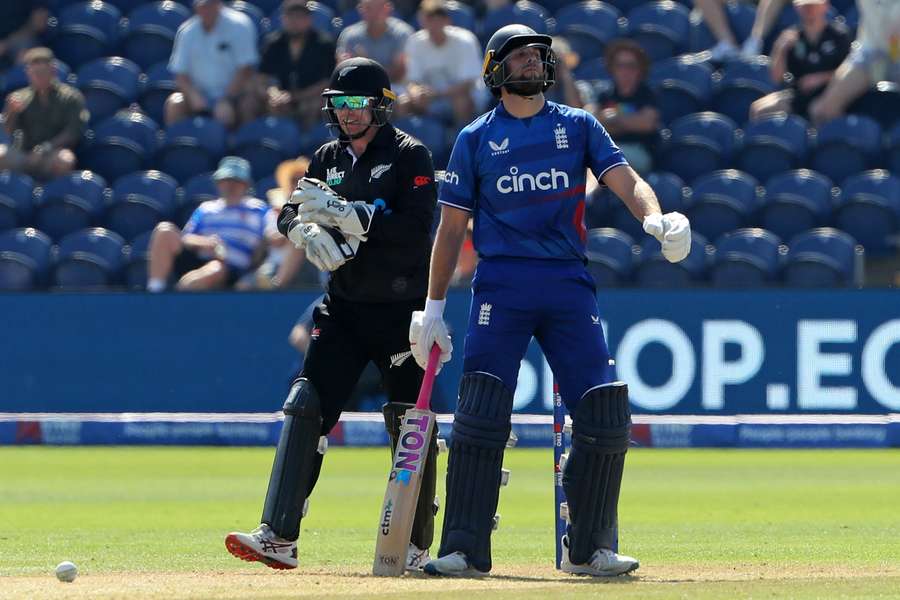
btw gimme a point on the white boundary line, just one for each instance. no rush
(271, 417)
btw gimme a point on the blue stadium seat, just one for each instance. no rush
(869, 210)
(150, 32)
(625, 6)
(71, 203)
(592, 69)
(740, 17)
(86, 32)
(108, 84)
(845, 146)
(191, 146)
(523, 11)
(134, 273)
(157, 86)
(121, 144)
(742, 82)
(260, 20)
(126, 6)
(266, 142)
(600, 17)
(584, 41)
(89, 259)
(683, 85)
(748, 257)
(654, 271)
(773, 145)
(610, 256)
(268, 6)
(430, 132)
(880, 104)
(16, 199)
(661, 28)
(24, 259)
(697, 144)
(140, 201)
(892, 150)
(823, 257)
(797, 201)
(314, 136)
(723, 201)
(196, 191)
(264, 185)
(15, 77)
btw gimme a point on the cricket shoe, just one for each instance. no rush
(262, 545)
(416, 558)
(455, 564)
(603, 563)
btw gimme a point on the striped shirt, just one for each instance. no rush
(241, 227)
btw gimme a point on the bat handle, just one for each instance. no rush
(424, 399)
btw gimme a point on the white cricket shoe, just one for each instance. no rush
(262, 545)
(455, 564)
(603, 563)
(416, 558)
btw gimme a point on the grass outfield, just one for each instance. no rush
(150, 522)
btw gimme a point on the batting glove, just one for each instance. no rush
(318, 203)
(673, 230)
(427, 328)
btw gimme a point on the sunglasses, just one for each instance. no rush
(350, 102)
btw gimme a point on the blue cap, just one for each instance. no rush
(233, 167)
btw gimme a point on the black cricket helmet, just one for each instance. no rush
(361, 77)
(499, 47)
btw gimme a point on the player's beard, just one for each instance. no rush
(526, 87)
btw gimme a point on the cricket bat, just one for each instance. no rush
(399, 507)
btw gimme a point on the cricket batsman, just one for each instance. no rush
(519, 171)
(364, 213)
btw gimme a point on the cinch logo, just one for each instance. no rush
(526, 182)
(450, 177)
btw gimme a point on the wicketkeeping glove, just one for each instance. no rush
(318, 203)
(326, 248)
(673, 230)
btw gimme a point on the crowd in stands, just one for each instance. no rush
(137, 134)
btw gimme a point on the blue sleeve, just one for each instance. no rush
(602, 153)
(195, 223)
(458, 187)
(179, 59)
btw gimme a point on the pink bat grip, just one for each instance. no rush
(424, 399)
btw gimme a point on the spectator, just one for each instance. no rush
(628, 109)
(21, 24)
(220, 241)
(875, 58)
(565, 90)
(810, 53)
(378, 36)
(443, 67)
(284, 259)
(44, 120)
(298, 61)
(213, 60)
(714, 16)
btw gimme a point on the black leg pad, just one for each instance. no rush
(601, 430)
(480, 429)
(296, 461)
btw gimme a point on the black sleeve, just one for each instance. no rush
(412, 214)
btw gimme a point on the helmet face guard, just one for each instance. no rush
(381, 106)
(496, 72)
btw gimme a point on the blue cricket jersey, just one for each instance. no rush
(524, 180)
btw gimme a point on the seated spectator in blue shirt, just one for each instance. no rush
(378, 36)
(628, 109)
(222, 240)
(214, 62)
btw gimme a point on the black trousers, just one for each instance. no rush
(346, 336)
